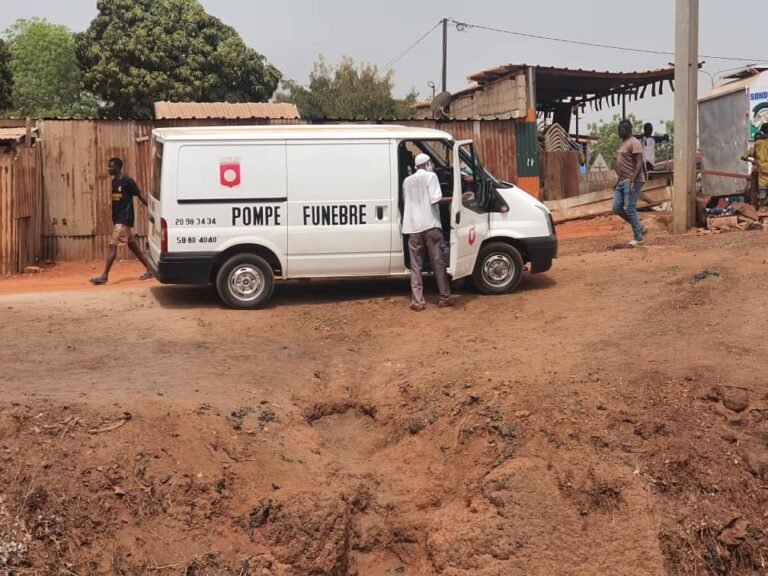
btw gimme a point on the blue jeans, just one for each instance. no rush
(625, 205)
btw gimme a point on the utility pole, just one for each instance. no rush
(686, 113)
(445, 54)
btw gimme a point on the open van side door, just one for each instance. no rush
(469, 211)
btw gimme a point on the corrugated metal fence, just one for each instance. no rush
(20, 209)
(75, 204)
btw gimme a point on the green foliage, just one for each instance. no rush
(347, 91)
(6, 78)
(666, 150)
(609, 142)
(137, 52)
(43, 66)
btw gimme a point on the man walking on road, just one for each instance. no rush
(631, 177)
(421, 221)
(124, 188)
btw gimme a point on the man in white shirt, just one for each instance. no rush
(421, 221)
(649, 141)
(649, 147)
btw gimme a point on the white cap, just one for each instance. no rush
(422, 159)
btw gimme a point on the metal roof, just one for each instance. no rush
(505, 70)
(568, 85)
(578, 86)
(299, 132)
(14, 134)
(225, 110)
(729, 88)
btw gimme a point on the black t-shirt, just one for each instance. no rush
(123, 190)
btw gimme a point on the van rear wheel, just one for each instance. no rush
(499, 269)
(245, 281)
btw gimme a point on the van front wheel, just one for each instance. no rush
(245, 281)
(499, 269)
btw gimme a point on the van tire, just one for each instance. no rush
(245, 281)
(499, 269)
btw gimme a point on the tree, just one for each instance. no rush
(608, 134)
(609, 142)
(137, 52)
(347, 91)
(43, 65)
(666, 150)
(6, 78)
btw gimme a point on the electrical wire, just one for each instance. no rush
(402, 54)
(465, 26)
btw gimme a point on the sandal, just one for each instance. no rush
(97, 281)
(146, 276)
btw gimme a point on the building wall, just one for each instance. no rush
(20, 208)
(504, 99)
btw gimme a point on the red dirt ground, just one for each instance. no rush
(610, 417)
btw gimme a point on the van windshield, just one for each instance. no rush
(427, 148)
(157, 169)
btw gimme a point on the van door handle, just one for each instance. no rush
(458, 218)
(379, 212)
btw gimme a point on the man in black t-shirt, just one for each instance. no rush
(124, 188)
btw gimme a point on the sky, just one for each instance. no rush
(292, 33)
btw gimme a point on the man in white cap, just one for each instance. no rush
(421, 221)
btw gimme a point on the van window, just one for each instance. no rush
(157, 169)
(475, 186)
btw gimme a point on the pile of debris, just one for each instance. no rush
(727, 213)
(655, 193)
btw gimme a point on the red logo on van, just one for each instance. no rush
(472, 235)
(229, 172)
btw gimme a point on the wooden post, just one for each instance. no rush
(686, 83)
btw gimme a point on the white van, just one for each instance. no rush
(238, 207)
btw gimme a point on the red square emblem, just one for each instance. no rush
(229, 172)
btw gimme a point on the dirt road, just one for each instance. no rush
(611, 417)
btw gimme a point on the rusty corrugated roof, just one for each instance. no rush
(737, 85)
(224, 110)
(13, 134)
(492, 74)
(556, 85)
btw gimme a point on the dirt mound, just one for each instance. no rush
(609, 418)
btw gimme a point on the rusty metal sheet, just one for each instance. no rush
(12, 134)
(7, 231)
(20, 193)
(69, 203)
(69, 248)
(225, 110)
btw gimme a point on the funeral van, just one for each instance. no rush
(239, 207)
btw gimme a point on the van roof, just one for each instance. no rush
(298, 132)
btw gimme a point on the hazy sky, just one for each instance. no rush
(291, 34)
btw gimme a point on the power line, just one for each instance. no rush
(402, 54)
(463, 26)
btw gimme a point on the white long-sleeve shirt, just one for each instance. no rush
(421, 193)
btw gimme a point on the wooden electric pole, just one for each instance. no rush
(445, 54)
(686, 114)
